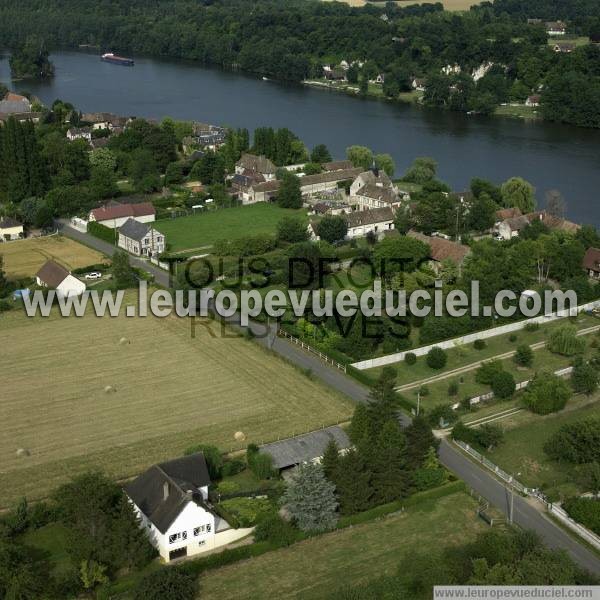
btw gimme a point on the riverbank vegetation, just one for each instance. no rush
(470, 62)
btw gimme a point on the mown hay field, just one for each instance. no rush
(24, 258)
(169, 392)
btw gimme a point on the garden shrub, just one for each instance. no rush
(585, 511)
(479, 344)
(410, 358)
(436, 358)
(232, 467)
(546, 393)
(577, 442)
(275, 530)
(532, 327)
(453, 388)
(486, 373)
(564, 341)
(524, 355)
(503, 385)
(248, 511)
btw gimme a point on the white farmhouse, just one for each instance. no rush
(115, 214)
(54, 276)
(171, 502)
(10, 230)
(79, 133)
(141, 239)
(376, 220)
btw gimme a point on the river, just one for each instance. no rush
(551, 156)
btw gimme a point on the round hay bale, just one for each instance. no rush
(109, 389)
(123, 341)
(239, 436)
(22, 453)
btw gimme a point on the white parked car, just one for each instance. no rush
(93, 275)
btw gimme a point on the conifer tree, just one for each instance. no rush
(391, 479)
(419, 439)
(310, 499)
(353, 484)
(330, 461)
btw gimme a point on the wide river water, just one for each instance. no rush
(551, 156)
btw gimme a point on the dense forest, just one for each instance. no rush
(292, 39)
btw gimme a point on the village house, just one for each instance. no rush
(373, 176)
(419, 84)
(114, 214)
(330, 208)
(327, 181)
(564, 47)
(104, 120)
(533, 100)
(552, 222)
(79, 133)
(54, 276)
(511, 226)
(141, 239)
(591, 262)
(337, 165)
(373, 189)
(10, 229)
(305, 448)
(376, 220)
(334, 73)
(309, 185)
(171, 502)
(555, 28)
(14, 104)
(442, 250)
(250, 164)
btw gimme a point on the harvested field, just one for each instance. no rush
(166, 391)
(24, 258)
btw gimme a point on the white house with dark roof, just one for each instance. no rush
(141, 239)
(171, 502)
(79, 133)
(376, 220)
(55, 276)
(10, 229)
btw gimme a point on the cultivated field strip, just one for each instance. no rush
(168, 391)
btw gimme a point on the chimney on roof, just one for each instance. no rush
(375, 169)
(165, 490)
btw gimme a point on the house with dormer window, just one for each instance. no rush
(171, 502)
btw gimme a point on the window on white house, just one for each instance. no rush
(201, 542)
(208, 528)
(184, 535)
(174, 537)
(198, 530)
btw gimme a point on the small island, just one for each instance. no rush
(30, 61)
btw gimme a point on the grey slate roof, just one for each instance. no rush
(304, 448)
(7, 222)
(134, 230)
(369, 217)
(182, 476)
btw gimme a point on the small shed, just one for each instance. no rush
(308, 447)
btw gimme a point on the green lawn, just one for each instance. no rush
(520, 111)
(522, 451)
(200, 230)
(52, 539)
(543, 360)
(461, 356)
(318, 566)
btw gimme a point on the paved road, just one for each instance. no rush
(160, 275)
(525, 515)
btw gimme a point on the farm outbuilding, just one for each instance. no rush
(308, 447)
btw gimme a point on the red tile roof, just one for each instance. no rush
(591, 260)
(118, 211)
